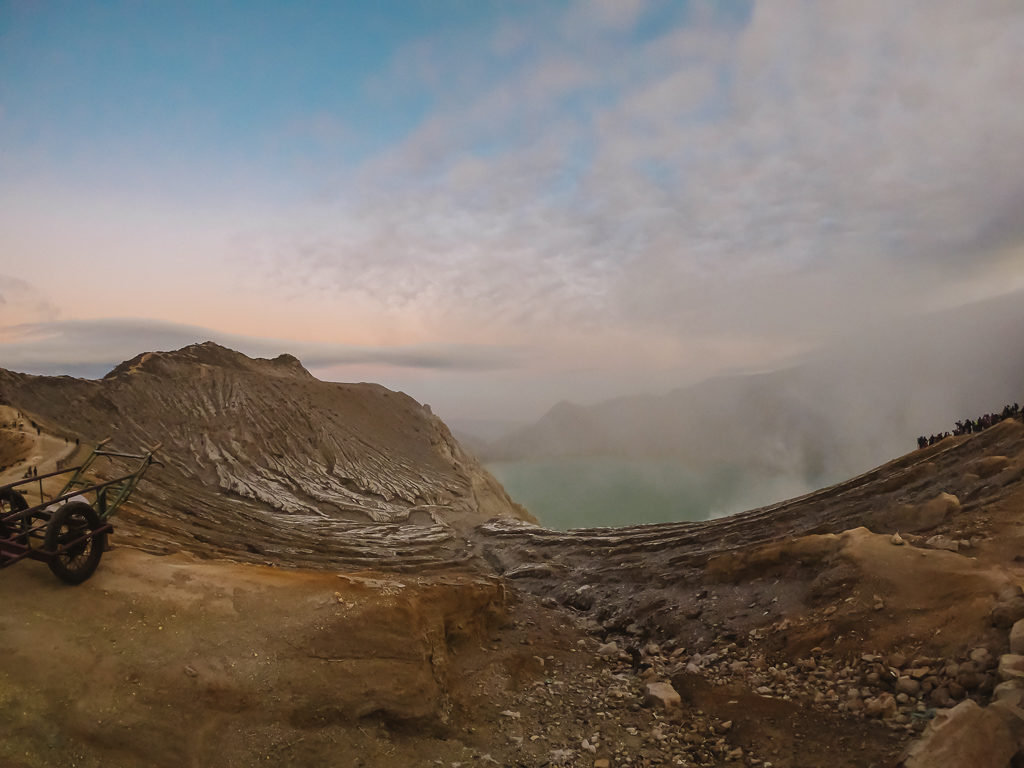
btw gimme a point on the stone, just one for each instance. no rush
(897, 540)
(969, 680)
(983, 658)
(1008, 612)
(966, 736)
(882, 706)
(661, 694)
(1017, 637)
(908, 685)
(610, 650)
(1011, 667)
(942, 542)
(1010, 591)
(1010, 691)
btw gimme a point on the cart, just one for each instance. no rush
(69, 531)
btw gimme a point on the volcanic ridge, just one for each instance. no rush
(340, 583)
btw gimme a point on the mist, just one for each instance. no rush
(737, 442)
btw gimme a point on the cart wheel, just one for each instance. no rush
(12, 501)
(69, 523)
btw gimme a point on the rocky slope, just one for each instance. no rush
(266, 463)
(767, 562)
(836, 628)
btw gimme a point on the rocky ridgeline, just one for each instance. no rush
(265, 463)
(936, 498)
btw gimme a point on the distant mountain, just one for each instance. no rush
(836, 414)
(259, 453)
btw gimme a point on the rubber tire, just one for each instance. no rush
(80, 515)
(12, 501)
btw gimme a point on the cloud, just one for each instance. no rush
(783, 172)
(22, 300)
(91, 348)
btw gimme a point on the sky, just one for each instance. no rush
(497, 206)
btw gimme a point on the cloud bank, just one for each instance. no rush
(740, 182)
(91, 348)
(540, 202)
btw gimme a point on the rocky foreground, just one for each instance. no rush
(874, 623)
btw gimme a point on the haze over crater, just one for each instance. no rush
(494, 208)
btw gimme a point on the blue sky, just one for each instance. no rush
(253, 86)
(495, 206)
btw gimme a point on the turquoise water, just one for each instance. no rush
(583, 492)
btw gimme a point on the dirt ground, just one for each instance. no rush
(821, 649)
(164, 661)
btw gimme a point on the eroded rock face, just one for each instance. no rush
(181, 657)
(264, 462)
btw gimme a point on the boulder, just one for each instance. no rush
(990, 465)
(966, 736)
(922, 517)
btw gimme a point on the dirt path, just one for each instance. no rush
(28, 446)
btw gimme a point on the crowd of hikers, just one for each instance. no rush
(970, 426)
